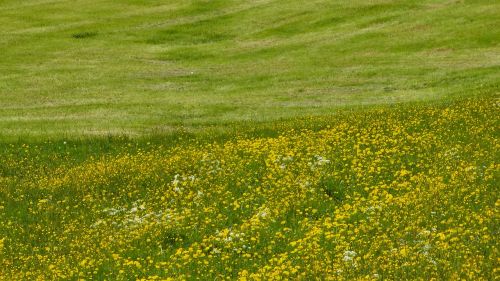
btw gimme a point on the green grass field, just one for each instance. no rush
(80, 68)
(249, 140)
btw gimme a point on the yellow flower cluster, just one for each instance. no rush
(407, 192)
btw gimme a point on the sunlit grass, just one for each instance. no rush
(73, 68)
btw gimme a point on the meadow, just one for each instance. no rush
(249, 140)
(402, 193)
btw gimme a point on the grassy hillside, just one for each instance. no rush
(250, 140)
(402, 193)
(86, 67)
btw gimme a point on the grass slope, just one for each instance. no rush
(76, 68)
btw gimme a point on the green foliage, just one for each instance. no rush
(84, 34)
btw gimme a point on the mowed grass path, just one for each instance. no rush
(73, 68)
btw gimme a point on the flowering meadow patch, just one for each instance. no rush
(400, 192)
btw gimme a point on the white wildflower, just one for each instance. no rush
(349, 256)
(320, 160)
(175, 181)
